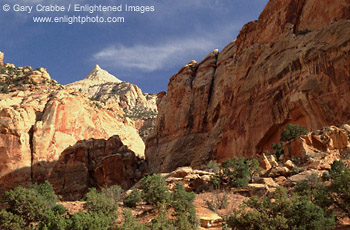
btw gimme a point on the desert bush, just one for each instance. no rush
(154, 189)
(134, 197)
(277, 150)
(114, 192)
(27, 203)
(10, 221)
(100, 202)
(54, 221)
(93, 220)
(309, 186)
(5, 88)
(161, 222)
(59, 209)
(213, 166)
(253, 167)
(339, 189)
(46, 191)
(131, 223)
(281, 213)
(237, 172)
(218, 202)
(292, 131)
(182, 203)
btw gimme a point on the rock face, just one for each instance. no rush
(95, 163)
(289, 66)
(39, 121)
(121, 96)
(1, 58)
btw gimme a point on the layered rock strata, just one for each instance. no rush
(289, 66)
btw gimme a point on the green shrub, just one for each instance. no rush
(182, 203)
(47, 192)
(54, 221)
(253, 167)
(93, 220)
(154, 189)
(292, 131)
(161, 222)
(218, 202)
(309, 186)
(131, 223)
(214, 166)
(282, 213)
(100, 202)
(5, 88)
(339, 189)
(237, 172)
(10, 221)
(114, 192)
(59, 209)
(278, 150)
(337, 168)
(27, 203)
(134, 197)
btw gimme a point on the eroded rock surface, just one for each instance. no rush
(39, 119)
(121, 96)
(289, 66)
(95, 163)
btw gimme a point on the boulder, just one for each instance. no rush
(265, 163)
(303, 175)
(94, 163)
(280, 180)
(289, 164)
(278, 171)
(258, 189)
(269, 182)
(209, 219)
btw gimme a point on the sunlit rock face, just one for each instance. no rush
(123, 97)
(289, 66)
(40, 119)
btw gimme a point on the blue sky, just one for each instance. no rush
(147, 49)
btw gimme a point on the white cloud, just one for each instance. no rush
(149, 58)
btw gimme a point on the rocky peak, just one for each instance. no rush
(121, 96)
(99, 74)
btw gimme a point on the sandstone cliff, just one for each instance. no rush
(95, 163)
(39, 119)
(121, 96)
(289, 66)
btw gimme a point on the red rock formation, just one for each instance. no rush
(290, 66)
(37, 125)
(95, 163)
